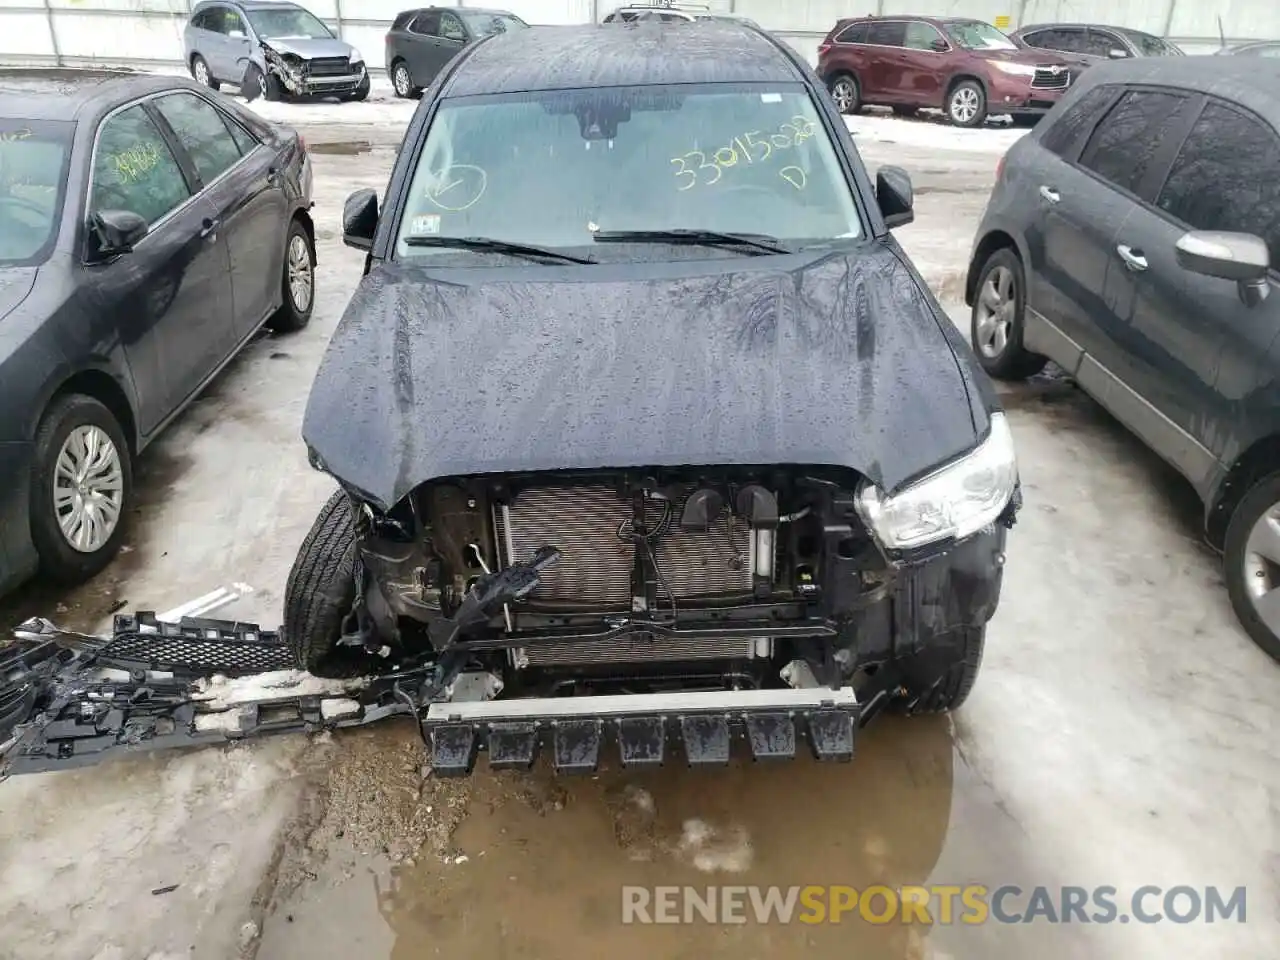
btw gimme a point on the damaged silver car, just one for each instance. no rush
(271, 49)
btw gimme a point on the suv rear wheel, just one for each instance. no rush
(967, 104)
(1251, 563)
(846, 93)
(997, 318)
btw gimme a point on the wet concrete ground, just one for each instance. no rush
(1123, 731)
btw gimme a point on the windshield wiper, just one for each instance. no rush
(497, 246)
(761, 242)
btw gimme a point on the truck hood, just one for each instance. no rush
(309, 48)
(839, 361)
(15, 284)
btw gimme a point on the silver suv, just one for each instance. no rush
(671, 12)
(271, 49)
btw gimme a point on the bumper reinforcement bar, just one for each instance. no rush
(701, 725)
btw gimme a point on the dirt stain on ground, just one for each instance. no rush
(343, 148)
(537, 863)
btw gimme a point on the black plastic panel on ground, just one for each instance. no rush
(194, 647)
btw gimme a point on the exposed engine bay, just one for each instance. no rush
(623, 581)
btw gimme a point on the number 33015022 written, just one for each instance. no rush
(704, 168)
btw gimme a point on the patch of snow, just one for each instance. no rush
(933, 133)
(220, 692)
(714, 851)
(339, 708)
(640, 798)
(227, 721)
(382, 109)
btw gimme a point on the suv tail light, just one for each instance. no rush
(823, 48)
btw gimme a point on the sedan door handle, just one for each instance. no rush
(273, 176)
(1049, 194)
(1133, 259)
(209, 228)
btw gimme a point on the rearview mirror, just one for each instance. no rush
(894, 196)
(117, 231)
(360, 219)
(1241, 257)
(939, 45)
(1116, 53)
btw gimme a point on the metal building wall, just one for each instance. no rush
(149, 32)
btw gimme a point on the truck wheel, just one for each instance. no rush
(964, 648)
(320, 593)
(996, 322)
(1251, 563)
(298, 282)
(81, 488)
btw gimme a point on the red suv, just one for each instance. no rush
(965, 67)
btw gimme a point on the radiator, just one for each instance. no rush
(595, 565)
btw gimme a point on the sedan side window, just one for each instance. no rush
(1129, 139)
(202, 132)
(134, 169)
(1224, 177)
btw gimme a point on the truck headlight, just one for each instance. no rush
(1014, 69)
(356, 56)
(953, 502)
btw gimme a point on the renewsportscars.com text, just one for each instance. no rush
(934, 904)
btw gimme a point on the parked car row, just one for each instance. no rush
(148, 229)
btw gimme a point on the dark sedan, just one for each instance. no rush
(420, 42)
(148, 228)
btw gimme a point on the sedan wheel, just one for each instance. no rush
(82, 485)
(200, 70)
(301, 276)
(88, 488)
(297, 282)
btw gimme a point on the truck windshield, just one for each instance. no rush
(486, 24)
(277, 23)
(33, 177)
(976, 35)
(554, 169)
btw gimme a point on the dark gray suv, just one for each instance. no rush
(1132, 240)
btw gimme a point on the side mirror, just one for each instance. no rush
(1116, 53)
(1241, 257)
(894, 196)
(117, 231)
(360, 219)
(939, 45)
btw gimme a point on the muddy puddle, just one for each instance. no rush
(534, 866)
(341, 148)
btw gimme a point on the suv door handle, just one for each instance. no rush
(1133, 259)
(208, 228)
(1049, 194)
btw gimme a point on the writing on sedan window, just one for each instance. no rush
(704, 168)
(13, 136)
(135, 162)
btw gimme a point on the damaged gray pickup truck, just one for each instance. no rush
(648, 435)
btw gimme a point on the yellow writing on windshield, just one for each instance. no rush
(13, 136)
(703, 168)
(136, 162)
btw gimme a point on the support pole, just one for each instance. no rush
(1168, 19)
(53, 33)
